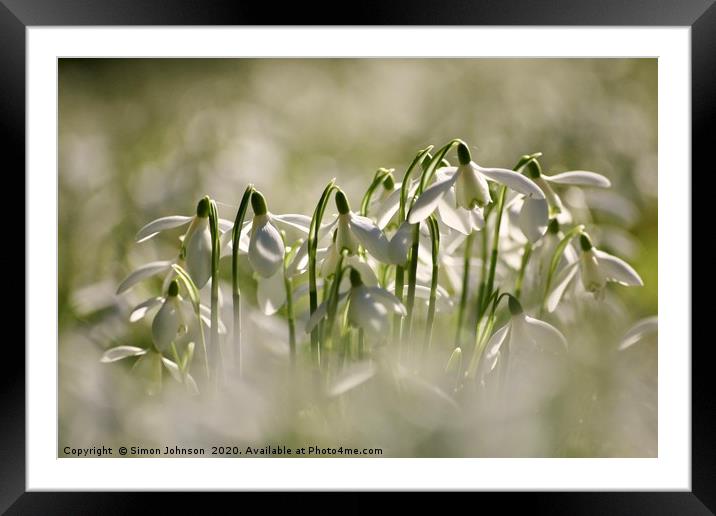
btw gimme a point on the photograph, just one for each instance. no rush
(357, 257)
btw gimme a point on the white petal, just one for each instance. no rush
(295, 225)
(562, 281)
(352, 378)
(367, 312)
(205, 313)
(330, 262)
(371, 237)
(366, 272)
(400, 243)
(616, 269)
(173, 369)
(198, 256)
(300, 260)
(638, 331)
(120, 352)
(143, 272)
(166, 325)
(388, 299)
(428, 200)
(514, 180)
(320, 313)
(161, 224)
(533, 218)
(457, 218)
(544, 332)
(580, 178)
(266, 249)
(478, 218)
(492, 349)
(271, 293)
(139, 311)
(471, 187)
(387, 208)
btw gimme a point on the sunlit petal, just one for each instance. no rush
(579, 178)
(514, 180)
(161, 224)
(271, 293)
(142, 273)
(429, 199)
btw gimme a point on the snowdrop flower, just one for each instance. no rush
(387, 204)
(352, 231)
(521, 333)
(195, 248)
(532, 220)
(369, 308)
(596, 268)
(266, 251)
(471, 191)
(170, 320)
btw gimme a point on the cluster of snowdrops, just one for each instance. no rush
(488, 252)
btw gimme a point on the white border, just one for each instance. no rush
(671, 470)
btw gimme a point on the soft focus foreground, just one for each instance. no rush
(146, 139)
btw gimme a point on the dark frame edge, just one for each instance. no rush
(702, 498)
(703, 99)
(12, 143)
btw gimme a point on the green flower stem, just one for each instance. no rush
(412, 279)
(236, 291)
(489, 287)
(413, 259)
(399, 287)
(378, 179)
(483, 334)
(526, 254)
(494, 250)
(435, 240)
(433, 165)
(483, 275)
(312, 249)
(554, 263)
(399, 269)
(465, 287)
(290, 316)
(193, 292)
(217, 354)
(332, 300)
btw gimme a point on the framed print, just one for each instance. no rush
(427, 251)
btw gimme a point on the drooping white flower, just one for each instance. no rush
(195, 249)
(535, 212)
(369, 308)
(266, 250)
(170, 321)
(596, 269)
(468, 182)
(521, 333)
(353, 231)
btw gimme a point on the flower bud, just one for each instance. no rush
(173, 290)
(342, 203)
(514, 305)
(389, 182)
(258, 203)
(356, 280)
(463, 154)
(585, 242)
(533, 169)
(553, 226)
(202, 209)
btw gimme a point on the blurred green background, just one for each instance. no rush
(144, 138)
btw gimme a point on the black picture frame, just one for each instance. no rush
(17, 15)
